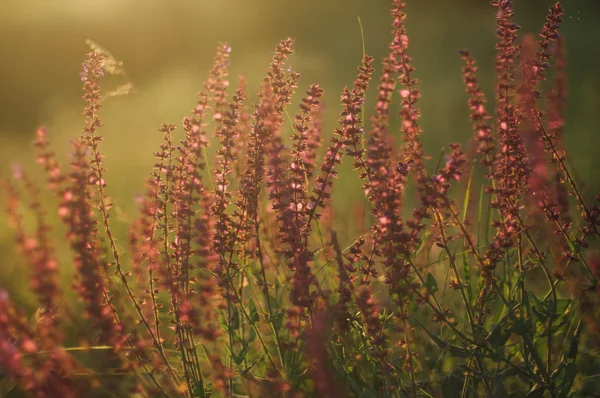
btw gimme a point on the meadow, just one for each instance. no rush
(268, 256)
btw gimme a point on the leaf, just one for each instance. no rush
(452, 385)
(500, 390)
(278, 320)
(251, 335)
(536, 392)
(234, 322)
(239, 358)
(431, 284)
(563, 308)
(420, 243)
(467, 195)
(539, 309)
(223, 321)
(467, 272)
(254, 318)
(500, 334)
(568, 366)
(519, 327)
(480, 215)
(6, 386)
(208, 354)
(454, 350)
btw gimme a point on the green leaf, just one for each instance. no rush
(208, 354)
(425, 393)
(223, 321)
(208, 388)
(251, 335)
(454, 350)
(500, 334)
(234, 322)
(539, 309)
(480, 214)
(254, 318)
(563, 308)
(467, 272)
(568, 367)
(575, 248)
(420, 243)
(452, 385)
(500, 390)
(467, 194)
(536, 392)
(6, 386)
(239, 358)
(431, 284)
(278, 320)
(519, 327)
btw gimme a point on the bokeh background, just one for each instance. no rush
(167, 48)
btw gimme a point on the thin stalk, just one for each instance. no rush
(565, 170)
(265, 291)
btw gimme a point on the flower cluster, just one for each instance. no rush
(242, 277)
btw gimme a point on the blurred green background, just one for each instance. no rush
(167, 48)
